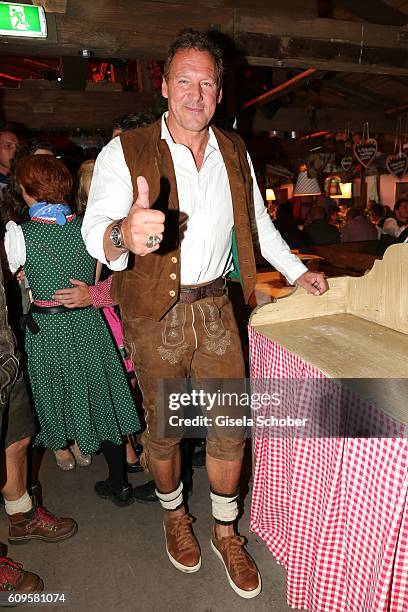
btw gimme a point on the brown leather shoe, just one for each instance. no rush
(14, 578)
(181, 544)
(39, 524)
(241, 570)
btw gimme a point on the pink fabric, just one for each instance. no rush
(100, 296)
(115, 325)
(100, 293)
(333, 511)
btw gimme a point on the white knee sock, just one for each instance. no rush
(224, 507)
(173, 500)
(24, 504)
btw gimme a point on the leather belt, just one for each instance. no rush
(54, 309)
(190, 294)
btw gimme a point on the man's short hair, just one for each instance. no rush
(399, 202)
(11, 126)
(377, 211)
(200, 41)
(33, 145)
(132, 121)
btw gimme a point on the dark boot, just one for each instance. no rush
(122, 496)
(146, 493)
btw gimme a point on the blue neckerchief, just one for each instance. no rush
(44, 210)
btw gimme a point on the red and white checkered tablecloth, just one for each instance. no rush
(332, 510)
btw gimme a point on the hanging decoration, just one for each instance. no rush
(397, 163)
(347, 161)
(366, 149)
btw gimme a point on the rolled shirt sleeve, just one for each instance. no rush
(14, 245)
(110, 198)
(273, 247)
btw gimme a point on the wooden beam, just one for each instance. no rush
(397, 109)
(306, 9)
(59, 109)
(374, 11)
(10, 77)
(360, 93)
(281, 89)
(326, 44)
(277, 51)
(119, 28)
(335, 30)
(52, 6)
(331, 119)
(144, 29)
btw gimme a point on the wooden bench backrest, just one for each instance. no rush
(381, 296)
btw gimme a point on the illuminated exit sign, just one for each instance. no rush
(22, 20)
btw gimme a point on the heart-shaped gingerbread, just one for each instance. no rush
(365, 151)
(346, 163)
(397, 164)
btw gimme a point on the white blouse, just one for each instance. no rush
(15, 247)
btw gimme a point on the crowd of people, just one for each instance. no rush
(168, 208)
(72, 389)
(333, 223)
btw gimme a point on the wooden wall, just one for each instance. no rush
(56, 108)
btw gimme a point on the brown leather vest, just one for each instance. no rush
(150, 285)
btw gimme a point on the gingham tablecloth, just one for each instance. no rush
(332, 510)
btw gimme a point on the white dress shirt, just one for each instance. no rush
(392, 228)
(204, 196)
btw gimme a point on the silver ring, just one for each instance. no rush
(152, 241)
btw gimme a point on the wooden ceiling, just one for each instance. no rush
(389, 12)
(289, 34)
(358, 50)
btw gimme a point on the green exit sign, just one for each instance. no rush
(22, 20)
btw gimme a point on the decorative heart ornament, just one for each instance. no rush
(365, 151)
(397, 164)
(346, 163)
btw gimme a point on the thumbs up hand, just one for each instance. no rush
(143, 226)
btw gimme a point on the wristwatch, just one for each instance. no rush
(116, 235)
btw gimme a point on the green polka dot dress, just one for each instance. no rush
(79, 387)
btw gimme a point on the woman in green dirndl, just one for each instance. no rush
(77, 380)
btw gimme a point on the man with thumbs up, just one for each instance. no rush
(170, 211)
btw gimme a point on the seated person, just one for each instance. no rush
(358, 228)
(322, 228)
(377, 216)
(286, 225)
(394, 226)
